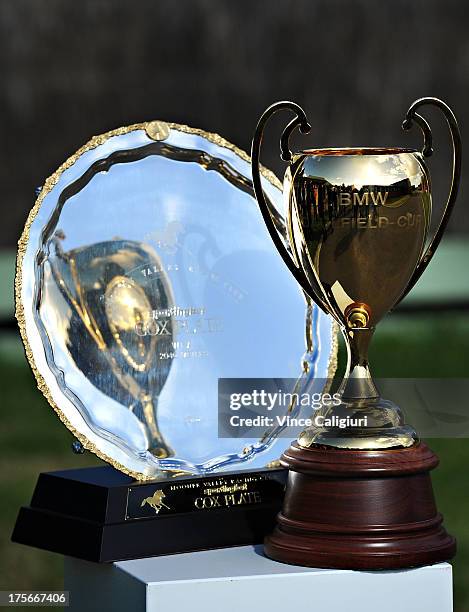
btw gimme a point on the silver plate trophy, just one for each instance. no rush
(145, 273)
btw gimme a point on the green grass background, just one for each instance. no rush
(32, 440)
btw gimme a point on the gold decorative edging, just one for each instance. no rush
(334, 354)
(49, 184)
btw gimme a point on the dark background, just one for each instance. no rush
(74, 69)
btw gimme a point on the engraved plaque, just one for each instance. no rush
(220, 492)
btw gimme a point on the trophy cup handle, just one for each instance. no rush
(301, 122)
(427, 150)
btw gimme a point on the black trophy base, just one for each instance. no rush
(99, 514)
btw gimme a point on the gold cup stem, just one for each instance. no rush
(358, 382)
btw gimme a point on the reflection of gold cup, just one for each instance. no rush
(358, 220)
(111, 301)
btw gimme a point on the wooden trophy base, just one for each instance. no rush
(349, 509)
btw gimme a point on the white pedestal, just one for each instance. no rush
(236, 579)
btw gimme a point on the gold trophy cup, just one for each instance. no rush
(359, 492)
